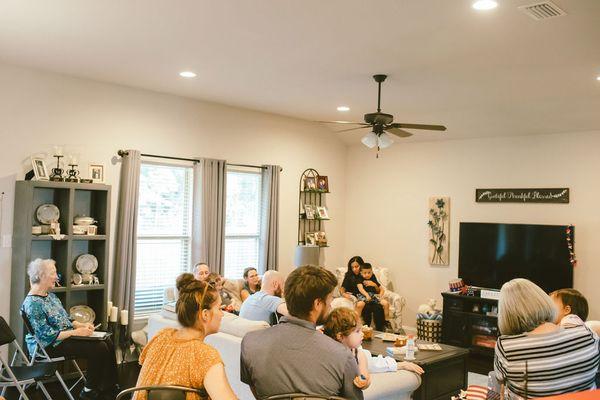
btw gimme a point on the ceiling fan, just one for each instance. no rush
(381, 125)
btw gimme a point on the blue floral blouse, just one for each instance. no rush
(47, 317)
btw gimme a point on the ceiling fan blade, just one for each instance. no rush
(398, 132)
(419, 126)
(342, 122)
(353, 129)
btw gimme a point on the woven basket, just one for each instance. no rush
(430, 330)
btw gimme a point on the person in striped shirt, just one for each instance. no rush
(534, 357)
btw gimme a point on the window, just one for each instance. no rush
(163, 232)
(243, 222)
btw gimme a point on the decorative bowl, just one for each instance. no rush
(82, 314)
(83, 220)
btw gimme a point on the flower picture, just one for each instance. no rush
(439, 227)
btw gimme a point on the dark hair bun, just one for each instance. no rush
(186, 282)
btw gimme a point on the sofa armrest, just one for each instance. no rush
(397, 304)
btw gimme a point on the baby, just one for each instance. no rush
(343, 325)
(216, 281)
(572, 307)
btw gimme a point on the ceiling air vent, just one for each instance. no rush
(543, 10)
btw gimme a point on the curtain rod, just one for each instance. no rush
(122, 153)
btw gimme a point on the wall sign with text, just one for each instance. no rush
(560, 195)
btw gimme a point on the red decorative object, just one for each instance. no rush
(571, 245)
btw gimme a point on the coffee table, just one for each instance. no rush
(445, 371)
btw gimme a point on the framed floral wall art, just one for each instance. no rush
(439, 230)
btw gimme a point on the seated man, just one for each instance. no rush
(293, 357)
(262, 305)
(201, 271)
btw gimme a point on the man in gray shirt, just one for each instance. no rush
(293, 357)
(262, 305)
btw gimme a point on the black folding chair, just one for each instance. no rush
(20, 377)
(40, 355)
(302, 396)
(160, 392)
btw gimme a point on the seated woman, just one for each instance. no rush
(53, 328)
(180, 356)
(355, 284)
(252, 283)
(558, 359)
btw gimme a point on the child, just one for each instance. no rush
(343, 325)
(372, 292)
(572, 307)
(216, 281)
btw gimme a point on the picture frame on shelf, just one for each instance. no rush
(310, 239)
(321, 239)
(322, 183)
(96, 173)
(40, 172)
(322, 212)
(310, 211)
(310, 184)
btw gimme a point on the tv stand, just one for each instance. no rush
(466, 324)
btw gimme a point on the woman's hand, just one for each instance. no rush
(408, 366)
(347, 295)
(82, 331)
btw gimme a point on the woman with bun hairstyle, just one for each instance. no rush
(180, 356)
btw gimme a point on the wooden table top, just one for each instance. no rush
(422, 357)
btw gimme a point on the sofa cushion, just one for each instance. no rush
(238, 326)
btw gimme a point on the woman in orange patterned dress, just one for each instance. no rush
(180, 356)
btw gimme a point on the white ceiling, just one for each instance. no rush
(480, 74)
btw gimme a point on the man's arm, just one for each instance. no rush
(282, 309)
(349, 390)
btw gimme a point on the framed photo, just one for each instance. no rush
(310, 239)
(96, 172)
(321, 239)
(310, 183)
(323, 183)
(39, 169)
(310, 211)
(322, 212)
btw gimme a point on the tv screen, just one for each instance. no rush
(492, 254)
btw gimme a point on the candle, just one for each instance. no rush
(108, 310)
(114, 314)
(72, 159)
(58, 151)
(124, 317)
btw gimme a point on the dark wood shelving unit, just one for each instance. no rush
(462, 326)
(72, 199)
(314, 197)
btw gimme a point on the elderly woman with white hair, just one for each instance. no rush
(54, 329)
(536, 355)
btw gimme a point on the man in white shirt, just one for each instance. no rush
(262, 305)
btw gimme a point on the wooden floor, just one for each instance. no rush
(128, 374)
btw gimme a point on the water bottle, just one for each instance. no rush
(410, 348)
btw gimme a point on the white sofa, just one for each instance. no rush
(396, 301)
(386, 386)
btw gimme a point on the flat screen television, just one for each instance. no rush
(492, 254)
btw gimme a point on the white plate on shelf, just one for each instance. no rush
(86, 264)
(47, 214)
(83, 314)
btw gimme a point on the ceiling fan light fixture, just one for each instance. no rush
(384, 140)
(484, 5)
(370, 140)
(343, 108)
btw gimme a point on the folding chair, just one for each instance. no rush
(302, 396)
(20, 377)
(40, 355)
(167, 392)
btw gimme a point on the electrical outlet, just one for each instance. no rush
(6, 241)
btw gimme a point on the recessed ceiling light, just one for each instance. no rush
(598, 78)
(482, 5)
(187, 74)
(343, 108)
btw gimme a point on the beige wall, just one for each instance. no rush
(39, 109)
(386, 202)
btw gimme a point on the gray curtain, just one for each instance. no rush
(123, 282)
(208, 237)
(269, 256)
